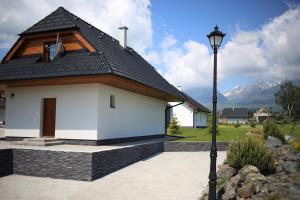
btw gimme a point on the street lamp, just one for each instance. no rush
(215, 40)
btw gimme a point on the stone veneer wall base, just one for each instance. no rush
(87, 166)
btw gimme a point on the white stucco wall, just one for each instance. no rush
(235, 120)
(76, 111)
(183, 113)
(83, 112)
(134, 115)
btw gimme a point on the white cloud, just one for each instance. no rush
(188, 66)
(169, 41)
(281, 44)
(271, 52)
(242, 55)
(107, 15)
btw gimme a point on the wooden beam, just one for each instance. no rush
(111, 80)
(13, 50)
(84, 42)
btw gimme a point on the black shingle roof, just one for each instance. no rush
(235, 113)
(110, 58)
(194, 103)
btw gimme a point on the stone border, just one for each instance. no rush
(193, 146)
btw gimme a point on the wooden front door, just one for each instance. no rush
(49, 117)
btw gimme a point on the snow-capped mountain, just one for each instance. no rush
(258, 92)
(234, 91)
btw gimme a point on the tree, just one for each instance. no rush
(288, 98)
(174, 128)
(209, 122)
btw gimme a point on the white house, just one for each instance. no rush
(190, 113)
(69, 80)
(234, 115)
(262, 114)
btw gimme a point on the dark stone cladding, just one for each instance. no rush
(6, 162)
(106, 162)
(88, 166)
(76, 165)
(193, 146)
(54, 164)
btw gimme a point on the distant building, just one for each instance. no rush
(234, 115)
(262, 114)
(191, 113)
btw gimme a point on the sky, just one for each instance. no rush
(261, 41)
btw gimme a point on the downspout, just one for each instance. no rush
(166, 112)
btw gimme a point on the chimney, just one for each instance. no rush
(123, 36)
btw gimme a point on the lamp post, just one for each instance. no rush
(215, 40)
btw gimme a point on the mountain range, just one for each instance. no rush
(255, 95)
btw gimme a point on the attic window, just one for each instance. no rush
(51, 49)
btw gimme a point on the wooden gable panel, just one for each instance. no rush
(35, 45)
(30, 45)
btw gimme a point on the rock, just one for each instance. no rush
(295, 178)
(279, 188)
(290, 166)
(257, 186)
(273, 142)
(229, 194)
(289, 138)
(234, 181)
(225, 172)
(294, 192)
(255, 177)
(247, 169)
(246, 191)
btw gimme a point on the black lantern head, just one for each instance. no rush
(215, 38)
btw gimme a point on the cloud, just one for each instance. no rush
(269, 53)
(168, 42)
(281, 44)
(242, 55)
(107, 15)
(188, 66)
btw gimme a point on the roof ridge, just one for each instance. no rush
(60, 10)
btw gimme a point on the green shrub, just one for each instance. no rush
(250, 151)
(271, 129)
(237, 124)
(174, 128)
(209, 125)
(252, 124)
(296, 145)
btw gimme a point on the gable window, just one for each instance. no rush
(112, 101)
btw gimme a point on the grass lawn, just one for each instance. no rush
(229, 133)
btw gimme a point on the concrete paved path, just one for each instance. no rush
(169, 175)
